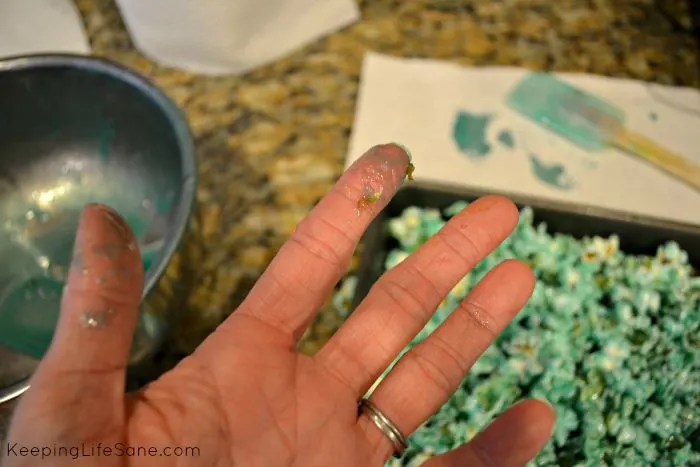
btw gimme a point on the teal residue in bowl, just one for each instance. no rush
(36, 245)
(30, 306)
(30, 310)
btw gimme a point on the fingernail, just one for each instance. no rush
(484, 203)
(388, 154)
(86, 230)
(111, 216)
(77, 256)
(546, 402)
(404, 149)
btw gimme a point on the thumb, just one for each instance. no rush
(99, 307)
(78, 388)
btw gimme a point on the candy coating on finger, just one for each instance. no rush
(103, 270)
(380, 167)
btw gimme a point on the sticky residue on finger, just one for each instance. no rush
(410, 168)
(102, 265)
(409, 171)
(96, 318)
(384, 168)
(369, 197)
(373, 179)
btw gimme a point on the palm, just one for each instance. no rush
(246, 397)
(275, 408)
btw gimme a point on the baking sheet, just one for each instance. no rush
(638, 235)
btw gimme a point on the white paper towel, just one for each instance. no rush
(229, 36)
(416, 103)
(41, 26)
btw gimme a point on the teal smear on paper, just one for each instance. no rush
(550, 174)
(469, 133)
(505, 137)
(653, 117)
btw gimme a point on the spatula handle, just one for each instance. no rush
(648, 150)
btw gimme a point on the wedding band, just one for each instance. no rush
(385, 426)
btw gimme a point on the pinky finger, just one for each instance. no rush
(512, 440)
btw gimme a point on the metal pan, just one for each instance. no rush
(638, 235)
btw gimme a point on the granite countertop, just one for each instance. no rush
(271, 143)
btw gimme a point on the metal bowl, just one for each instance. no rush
(76, 130)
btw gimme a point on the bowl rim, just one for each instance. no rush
(172, 113)
(183, 134)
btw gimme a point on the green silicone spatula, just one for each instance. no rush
(591, 123)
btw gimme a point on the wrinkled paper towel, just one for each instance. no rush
(41, 26)
(229, 36)
(417, 102)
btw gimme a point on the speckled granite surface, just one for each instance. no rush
(271, 143)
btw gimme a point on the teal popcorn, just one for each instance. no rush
(686, 456)
(420, 459)
(431, 222)
(611, 340)
(593, 425)
(489, 361)
(546, 457)
(455, 208)
(671, 253)
(647, 301)
(342, 299)
(394, 258)
(567, 422)
(407, 229)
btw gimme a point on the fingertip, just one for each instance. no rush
(522, 271)
(396, 149)
(98, 207)
(548, 408)
(514, 438)
(542, 416)
(506, 211)
(512, 275)
(395, 154)
(88, 217)
(93, 211)
(95, 214)
(510, 210)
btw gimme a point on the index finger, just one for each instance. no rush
(314, 259)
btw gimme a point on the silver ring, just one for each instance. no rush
(385, 425)
(11, 392)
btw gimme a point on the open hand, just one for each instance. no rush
(246, 397)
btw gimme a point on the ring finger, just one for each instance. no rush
(430, 372)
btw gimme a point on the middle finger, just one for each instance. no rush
(402, 301)
(428, 374)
